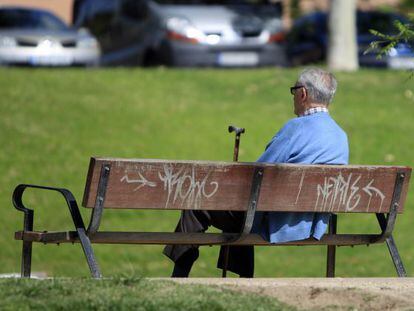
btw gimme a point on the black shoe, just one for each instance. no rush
(184, 264)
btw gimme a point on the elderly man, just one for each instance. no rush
(311, 138)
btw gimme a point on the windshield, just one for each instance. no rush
(29, 19)
(216, 2)
(269, 8)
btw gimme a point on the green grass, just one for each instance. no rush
(52, 121)
(125, 294)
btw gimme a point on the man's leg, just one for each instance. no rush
(183, 265)
(185, 255)
(241, 258)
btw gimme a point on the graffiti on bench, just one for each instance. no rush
(346, 192)
(180, 184)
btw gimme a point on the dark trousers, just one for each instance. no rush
(241, 258)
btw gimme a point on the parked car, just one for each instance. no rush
(307, 41)
(186, 32)
(129, 31)
(222, 33)
(39, 38)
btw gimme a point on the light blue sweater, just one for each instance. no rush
(312, 139)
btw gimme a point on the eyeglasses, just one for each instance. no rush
(293, 88)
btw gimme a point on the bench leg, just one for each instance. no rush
(331, 253)
(26, 259)
(88, 251)
(26, 265)
(396, 257)
(392, 247)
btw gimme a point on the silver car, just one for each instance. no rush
(38, 38)
(226, 33)
(223, 33)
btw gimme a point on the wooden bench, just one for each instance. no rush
(250, 187)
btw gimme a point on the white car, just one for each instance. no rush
(38, 38)
(222, 33)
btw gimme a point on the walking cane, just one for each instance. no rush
(238, 131)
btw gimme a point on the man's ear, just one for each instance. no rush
(303, 94)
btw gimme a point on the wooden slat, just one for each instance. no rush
(162, 238)
(162, 184)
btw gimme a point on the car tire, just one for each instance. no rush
(164, 54)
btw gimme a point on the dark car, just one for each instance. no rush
(127, 30)
(224, 33)
(307, 41)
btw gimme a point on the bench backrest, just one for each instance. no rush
(166, 184)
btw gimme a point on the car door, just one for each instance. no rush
(132, 29)
(140, 27)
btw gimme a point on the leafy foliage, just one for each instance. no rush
(405, 33)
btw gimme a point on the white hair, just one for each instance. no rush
(320, 85)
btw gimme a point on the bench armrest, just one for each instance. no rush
(76, 217)
(28, 213)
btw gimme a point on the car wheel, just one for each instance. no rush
(150, 58)
(164, 54)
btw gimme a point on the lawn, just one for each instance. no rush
(52, 121)
(126, 294)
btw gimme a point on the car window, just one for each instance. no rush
(268, 4)
(265, 8)
(215, 2)
(97, 16)
(29, 19)
(306, 30)
(134, 9)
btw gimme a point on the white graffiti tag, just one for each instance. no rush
(344, 192)
(370, 190)
(142, 181)
(184, 185)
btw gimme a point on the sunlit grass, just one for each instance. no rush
(52, 121)
(125, 294)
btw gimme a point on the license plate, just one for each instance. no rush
(51, 60)
(401, 63)
(238, 59)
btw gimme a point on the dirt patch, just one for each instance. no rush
(326, 294)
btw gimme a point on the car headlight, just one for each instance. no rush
(392, 52)
(6, 41)
(180, 28)
(87, 42)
